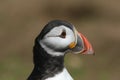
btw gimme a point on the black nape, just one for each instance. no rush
(45, 65)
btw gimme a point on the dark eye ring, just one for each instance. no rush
(63, 34)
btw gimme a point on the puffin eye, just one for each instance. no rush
(63, 34)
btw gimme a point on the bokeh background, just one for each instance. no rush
(22, 20)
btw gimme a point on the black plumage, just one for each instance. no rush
(48, 53)
(46, 65)
(52, 24)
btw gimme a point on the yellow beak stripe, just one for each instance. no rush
(72, 45)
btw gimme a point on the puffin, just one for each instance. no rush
(57, 38)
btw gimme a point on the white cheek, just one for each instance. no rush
(51, 51)
(58, 42)
(51, 41)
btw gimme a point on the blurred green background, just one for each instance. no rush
(22, 20)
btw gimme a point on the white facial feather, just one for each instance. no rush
(52, 39)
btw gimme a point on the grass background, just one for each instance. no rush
(22, 20)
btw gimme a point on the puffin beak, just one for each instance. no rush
(81, 44)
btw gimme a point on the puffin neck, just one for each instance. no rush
(45, 65)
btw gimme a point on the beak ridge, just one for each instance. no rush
(81, 44)
(87, 46)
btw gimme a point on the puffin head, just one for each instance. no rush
(60, 37)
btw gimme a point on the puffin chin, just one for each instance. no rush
(81, 44)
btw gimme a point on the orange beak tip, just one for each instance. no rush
(87, 46)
